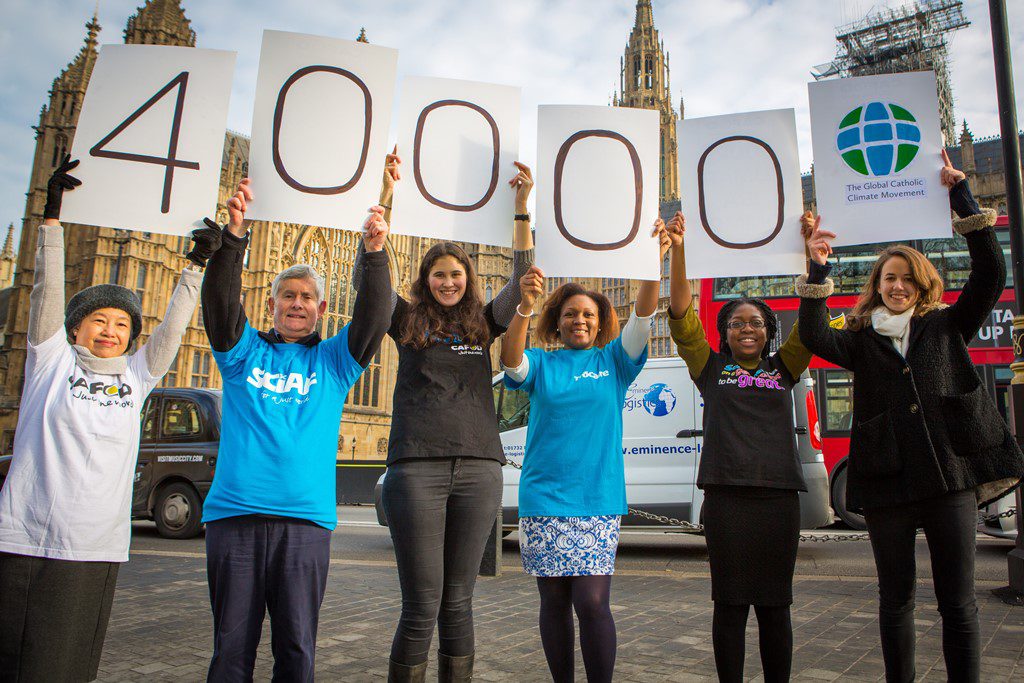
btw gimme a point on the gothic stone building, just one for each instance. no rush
(150, 263)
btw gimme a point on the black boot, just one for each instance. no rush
(454, 669)
(404, 673)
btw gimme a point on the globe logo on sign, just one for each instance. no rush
(878, 139)
(659, 400)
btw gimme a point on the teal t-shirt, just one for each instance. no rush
(281, 410)
(573, 465)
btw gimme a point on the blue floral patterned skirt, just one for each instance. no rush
(569, 546)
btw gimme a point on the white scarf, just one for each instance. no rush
(893, 325)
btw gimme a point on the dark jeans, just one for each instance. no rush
(53, 617)
(440, 512)
(257, 565)
(949, 524)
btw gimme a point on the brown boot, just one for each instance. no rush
(404, 673)
(454, 669)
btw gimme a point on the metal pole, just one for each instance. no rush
(1014, 593)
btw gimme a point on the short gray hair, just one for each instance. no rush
(300, 271)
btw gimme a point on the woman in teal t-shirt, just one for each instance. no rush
(573, 489)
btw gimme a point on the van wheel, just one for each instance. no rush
(850, 518)
(178, 511)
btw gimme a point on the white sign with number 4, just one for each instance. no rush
(151, 138)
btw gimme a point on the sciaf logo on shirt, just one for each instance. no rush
(280, 383)
(657, 399)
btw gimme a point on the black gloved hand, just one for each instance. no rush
(205, 243)
(59, 181)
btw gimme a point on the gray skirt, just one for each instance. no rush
(53, 617)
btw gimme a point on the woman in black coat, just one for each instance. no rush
(928, 444)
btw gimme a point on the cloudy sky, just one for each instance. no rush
(726, 55)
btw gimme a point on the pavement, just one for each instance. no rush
(160, 627)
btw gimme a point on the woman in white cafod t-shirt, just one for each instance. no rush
(65, 507)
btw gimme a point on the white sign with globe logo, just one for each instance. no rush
(877, 158)
(657, 399)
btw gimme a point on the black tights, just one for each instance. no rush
(589, 596)
(775, 636)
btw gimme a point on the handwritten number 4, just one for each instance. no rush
(170, 161)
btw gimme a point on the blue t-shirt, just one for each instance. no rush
(573, 465)
(279, 431)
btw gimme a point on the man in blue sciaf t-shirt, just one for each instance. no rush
(271, 509)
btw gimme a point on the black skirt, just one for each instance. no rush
(752, 535)
(53, 617)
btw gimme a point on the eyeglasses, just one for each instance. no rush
(756, 323)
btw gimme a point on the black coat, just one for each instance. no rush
(923, 425)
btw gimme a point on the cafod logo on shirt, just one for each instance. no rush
(100, 392)
(281, 383)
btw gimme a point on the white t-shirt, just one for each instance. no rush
(69, 491)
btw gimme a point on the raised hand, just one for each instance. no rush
(392, 174)
(523, 183)
(950, 176)
(237, 206)
(531, 286)
(60, 181)
(818, 241)
(676, 227)
(665, 241)
(375, 230)
(205, 243)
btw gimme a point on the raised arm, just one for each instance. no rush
(513, 343)
(223, 315)
(835, 346)
(683, 324)
(46, 302)
(503, 306)
(371, 313)
(162, 345)
(988, 269)
(392, 174)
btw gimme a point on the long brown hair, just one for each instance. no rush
(429, 321)
(547, 323)
(926, 277)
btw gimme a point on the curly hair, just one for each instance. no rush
(771, 323)
(428, 321)
(547, 322)
(926, 277)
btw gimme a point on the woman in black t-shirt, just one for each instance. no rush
(749, 469)
(443, 484)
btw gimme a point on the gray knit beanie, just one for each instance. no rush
(103, 296)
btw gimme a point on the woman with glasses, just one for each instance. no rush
(749, 469)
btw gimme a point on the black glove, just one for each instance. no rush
(205, 243)
(59, 181)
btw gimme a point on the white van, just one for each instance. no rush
(662, 440)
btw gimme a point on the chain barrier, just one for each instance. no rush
(811, 538)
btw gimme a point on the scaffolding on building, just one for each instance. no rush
(911, 37)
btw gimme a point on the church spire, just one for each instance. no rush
(644, 15)
(160, 22)
(644, 80)
(362, 36)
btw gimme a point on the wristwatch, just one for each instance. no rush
(523, 217)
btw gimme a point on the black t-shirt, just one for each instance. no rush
(749, 436)
(443, 403)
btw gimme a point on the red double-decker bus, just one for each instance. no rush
(991, 349)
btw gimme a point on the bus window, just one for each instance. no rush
(838, 401)
(949, 256)
(727, 288)
(1003, 376)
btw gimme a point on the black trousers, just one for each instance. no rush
(950, 525)
(256, 565)
(440, 513)
(53, 618)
